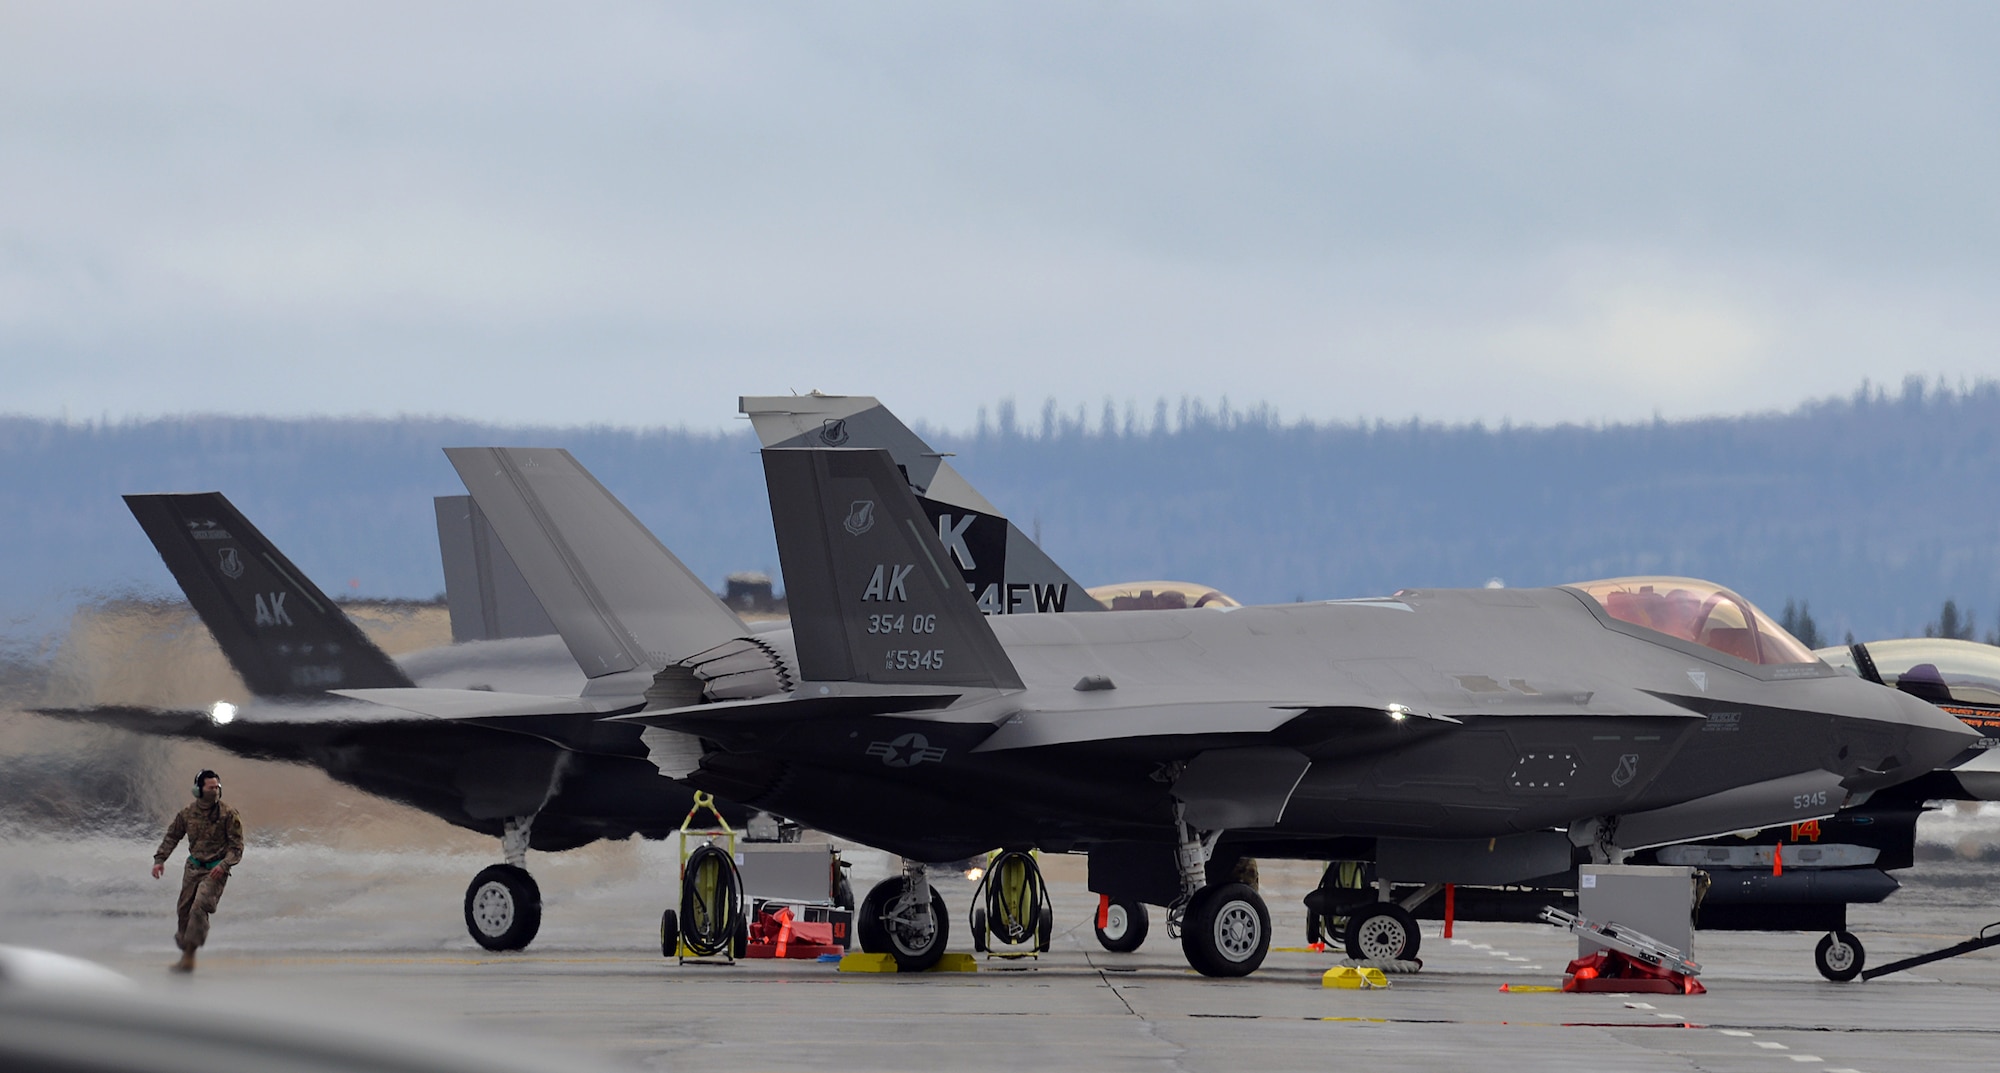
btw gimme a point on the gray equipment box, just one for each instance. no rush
(1654, 900)
(789, 871)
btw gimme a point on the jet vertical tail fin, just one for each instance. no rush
(625, 606)
(1006, 572)
(488, 597)
(278, 630)
(874, 596)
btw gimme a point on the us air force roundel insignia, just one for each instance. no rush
(231, 563)
(860, 517)
(1700, 680)
(909, 750)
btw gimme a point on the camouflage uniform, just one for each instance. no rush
(215, 843)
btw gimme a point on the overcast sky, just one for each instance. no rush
(634, 212)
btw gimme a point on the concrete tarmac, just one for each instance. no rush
(374, 938)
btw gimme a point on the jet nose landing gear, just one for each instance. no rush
(906, 919)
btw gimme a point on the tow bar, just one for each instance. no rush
(1981, 941)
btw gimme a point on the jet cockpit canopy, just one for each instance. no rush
(1936, 669)
(1160, 596)
(1700, 612)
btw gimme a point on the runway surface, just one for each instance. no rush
(375, 938)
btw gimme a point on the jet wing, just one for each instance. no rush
(476, 703)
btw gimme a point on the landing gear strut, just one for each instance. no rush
(903, 917)
(1224, 928)
(503, 906)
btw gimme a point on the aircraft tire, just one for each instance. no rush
(1839, 956)
(868, 919)
(1383, 931)
(1124, 928)
(1227, 930)
(875, 924)
(503, 908)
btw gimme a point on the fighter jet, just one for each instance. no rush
(1472, 735)
(1007, 573)
(500, 737)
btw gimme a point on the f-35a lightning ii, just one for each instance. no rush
(501, 737)
(1482, 731)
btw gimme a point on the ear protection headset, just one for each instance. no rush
(203, 777)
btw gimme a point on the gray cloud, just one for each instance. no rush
(633, 212)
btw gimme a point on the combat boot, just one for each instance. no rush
(185, 964)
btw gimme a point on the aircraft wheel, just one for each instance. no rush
(868, 919)
(916, 945)
(503, 908)
(1839, 956)
(1124, 927)
(670, 934)
(1383, 931)
(1227, 930)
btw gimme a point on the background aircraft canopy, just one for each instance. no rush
(1159, 596)
(1936, 669)
(1698, 611)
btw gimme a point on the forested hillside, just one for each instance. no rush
(1874, 508)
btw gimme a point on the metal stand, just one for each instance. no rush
(692, 838)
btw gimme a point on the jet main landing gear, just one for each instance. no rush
(904, 917)
(1224, 928)
(503, 905)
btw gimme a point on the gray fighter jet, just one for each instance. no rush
(1471, 736)
(1006, 572)
(500, 737)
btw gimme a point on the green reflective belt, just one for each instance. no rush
(199, 863)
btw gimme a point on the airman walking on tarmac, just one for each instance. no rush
(214, 833)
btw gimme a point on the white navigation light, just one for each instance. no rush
(1398, 712)
(222, 713)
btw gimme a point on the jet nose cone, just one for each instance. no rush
(1936, 739)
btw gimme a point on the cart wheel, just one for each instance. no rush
(670, 934)
(979, 930)
(1839, 956)
(1124, 927)
(1383, 931)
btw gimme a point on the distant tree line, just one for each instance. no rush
(1872, 504)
